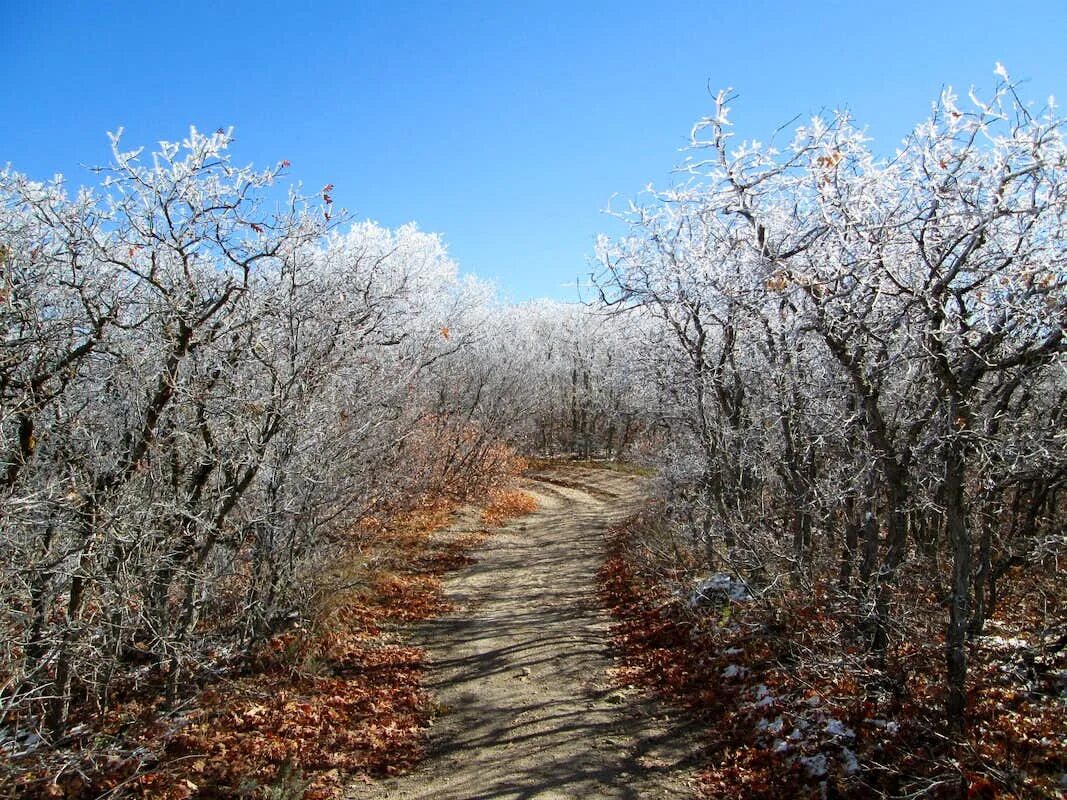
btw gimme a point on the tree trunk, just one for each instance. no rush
(959, 592)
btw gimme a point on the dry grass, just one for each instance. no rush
(507, 504)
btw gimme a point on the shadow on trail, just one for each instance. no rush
(521, 671)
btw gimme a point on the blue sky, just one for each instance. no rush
(507, 126)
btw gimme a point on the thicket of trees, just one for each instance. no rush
(860, 360)
(849, 370)
(199, 399)
(587, 399)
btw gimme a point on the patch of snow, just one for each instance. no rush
(735, 671)
(835, 727)
(780, 746)
(722, 587)
(849, 763)
(889, 727)
(815, 765)
(1004, 643)
(764, 697)
(16, 745)
(769, 726)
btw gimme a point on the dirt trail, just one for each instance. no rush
(521, 668)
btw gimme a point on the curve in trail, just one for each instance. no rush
(520, 670)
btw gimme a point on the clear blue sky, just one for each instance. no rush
(505, 126)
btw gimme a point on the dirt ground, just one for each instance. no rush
(526, 707)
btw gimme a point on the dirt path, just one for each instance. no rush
(521, 669)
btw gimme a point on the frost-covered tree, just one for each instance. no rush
(858, 349)
(197, 400)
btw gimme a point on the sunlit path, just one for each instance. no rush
(520, 670)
